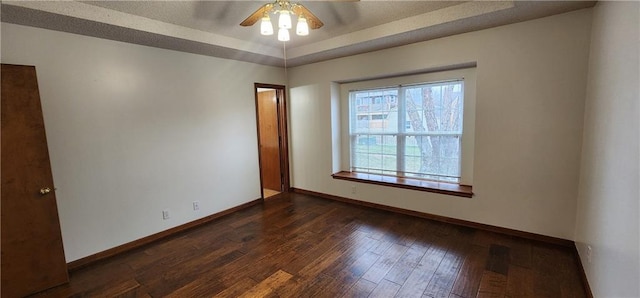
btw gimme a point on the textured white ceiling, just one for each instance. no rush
(212, 27)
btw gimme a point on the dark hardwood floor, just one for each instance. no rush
(297, 245)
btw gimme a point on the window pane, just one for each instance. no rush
(433, 157)
(374, 111)
(434, 107)
(375, 153)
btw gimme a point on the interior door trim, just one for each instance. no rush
(282, 131)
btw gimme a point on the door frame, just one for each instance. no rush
(281, 104)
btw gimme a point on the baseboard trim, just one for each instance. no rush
(583, 274)
(459, 222)
(88, 260)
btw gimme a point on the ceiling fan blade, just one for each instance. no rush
(257, 15)
(312, 20)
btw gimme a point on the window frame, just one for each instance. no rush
(468, 76)
(401, 133)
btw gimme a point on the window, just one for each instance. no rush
(428, 147)
(417, 127)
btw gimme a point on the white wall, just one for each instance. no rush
(531, 80)
(133, 130)
(609, 195)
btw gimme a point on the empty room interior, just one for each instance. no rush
(365, 149)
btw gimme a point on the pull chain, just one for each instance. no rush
(284, 50)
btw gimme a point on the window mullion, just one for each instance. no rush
(353, 138)
(401, 137)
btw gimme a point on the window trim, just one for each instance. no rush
(463, 187)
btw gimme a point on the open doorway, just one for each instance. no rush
(271, 117)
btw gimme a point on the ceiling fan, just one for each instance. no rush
(284, 9)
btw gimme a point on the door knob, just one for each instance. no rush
(45, 190)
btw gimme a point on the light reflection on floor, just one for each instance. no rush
(269, 193)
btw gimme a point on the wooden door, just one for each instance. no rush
(269, 140)
(32, 253)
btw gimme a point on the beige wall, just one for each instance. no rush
(133, 130)
(609, 193)
(531, 79)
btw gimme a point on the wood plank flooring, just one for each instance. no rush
(296, 245)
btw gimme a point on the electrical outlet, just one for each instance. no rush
(353, 189)
(589, 253)
(165, 214)
(196, 205)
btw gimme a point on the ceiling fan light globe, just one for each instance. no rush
(283, 34)
(266, 28)
(284, 21)
(302, 28)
